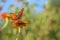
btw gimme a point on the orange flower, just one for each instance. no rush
(15, 24)
(4, 15)
(20, 23)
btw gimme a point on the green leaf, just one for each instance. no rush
(0, 7)
(32, 6)
(16, 10)
(3, 0)
(11, 6)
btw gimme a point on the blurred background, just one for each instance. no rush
(43, 15)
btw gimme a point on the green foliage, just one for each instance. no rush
(11, 6)
(0, 7)
(30, 36)
(3, 0)
(32, 6)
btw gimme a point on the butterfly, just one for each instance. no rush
(16, 17)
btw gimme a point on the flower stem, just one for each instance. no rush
(19, 29)
(5, 23)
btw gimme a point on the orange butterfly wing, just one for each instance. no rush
(19, 14)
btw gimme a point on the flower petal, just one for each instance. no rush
(4, 15)
(15, 24)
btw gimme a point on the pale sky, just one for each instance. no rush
(39, 3)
